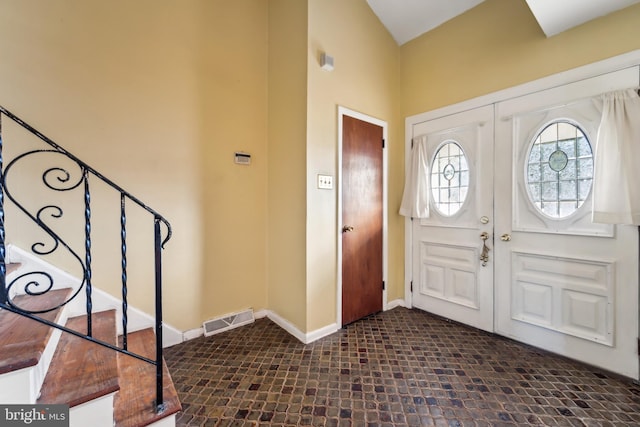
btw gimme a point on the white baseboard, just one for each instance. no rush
(395, 303)
(261, 313)
(305, 338)
(192, 334)
(137, 319)
(171, 336)
(287, 326)
(321, 333)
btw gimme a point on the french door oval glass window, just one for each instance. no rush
(559, 170)
(449, 178)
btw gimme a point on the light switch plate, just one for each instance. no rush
(325, 182)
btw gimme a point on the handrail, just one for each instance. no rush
(88, 168)
(38, 283)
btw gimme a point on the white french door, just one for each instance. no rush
(450, 279)
(548, 276)
(562, 283)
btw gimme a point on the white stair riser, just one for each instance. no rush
(95, 413)
(23, 386)
(40, 370)
(165, 422)
(15, 387)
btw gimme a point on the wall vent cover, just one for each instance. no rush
(226, 322)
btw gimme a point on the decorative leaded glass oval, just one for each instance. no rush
(449, 178)
(559, 171)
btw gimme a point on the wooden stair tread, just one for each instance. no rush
(23, 340)
(13, 266)
(82, 370)
(134, 403)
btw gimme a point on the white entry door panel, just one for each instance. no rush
(450, 279)
(562, 283)
(551, 278)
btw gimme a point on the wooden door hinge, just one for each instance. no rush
(382, 142)
(383, 285)
(412, 286)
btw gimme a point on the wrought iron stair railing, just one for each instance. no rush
(60, 178)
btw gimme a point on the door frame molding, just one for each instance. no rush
(616, 63)
(343, 111)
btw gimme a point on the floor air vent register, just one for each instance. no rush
(227, 322)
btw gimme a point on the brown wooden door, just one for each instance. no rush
(362, 145)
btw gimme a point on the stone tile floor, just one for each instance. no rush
(398, 368)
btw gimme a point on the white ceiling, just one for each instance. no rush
(408, 19)
(556, 16)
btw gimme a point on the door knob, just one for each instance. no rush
(347, 228)
(506, 237)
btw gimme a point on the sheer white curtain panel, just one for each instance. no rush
(415, 199)
(616, 181)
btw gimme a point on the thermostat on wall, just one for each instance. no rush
(242, 158)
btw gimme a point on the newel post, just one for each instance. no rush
(158, 273)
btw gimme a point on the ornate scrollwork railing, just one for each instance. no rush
(72, 179)
(39, 283)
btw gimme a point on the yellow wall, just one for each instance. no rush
(286, 248)
(233, 105)
(303, 142)
(157, 95)
(365, 79)
(499, 44)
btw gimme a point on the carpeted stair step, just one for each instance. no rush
(27, 346)
(83, 374)
(134, 403)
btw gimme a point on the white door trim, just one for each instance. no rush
(343, 111)
(616, 63)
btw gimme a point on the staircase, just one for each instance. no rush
(58, 343)
(39, 365)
